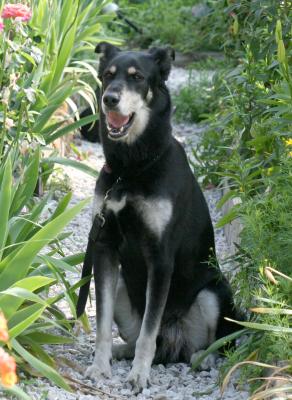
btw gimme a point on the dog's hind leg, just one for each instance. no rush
(106, 270)
(128, 322)
(200, 325)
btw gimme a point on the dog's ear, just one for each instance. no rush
(163, 58)
(108, 51)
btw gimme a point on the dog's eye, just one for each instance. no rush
(108, 74)
(137, 77)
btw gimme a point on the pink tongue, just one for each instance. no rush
(117, 120)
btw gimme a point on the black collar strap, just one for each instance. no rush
(122, 177)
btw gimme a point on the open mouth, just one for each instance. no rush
(118, 124)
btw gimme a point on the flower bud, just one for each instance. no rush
(281, 52)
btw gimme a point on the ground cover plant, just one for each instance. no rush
(41, 70)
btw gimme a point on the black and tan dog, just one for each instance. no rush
(155, 243)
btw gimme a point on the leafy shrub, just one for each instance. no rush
(169, 23)
(194, 101)
(264, 283)
(253, 128)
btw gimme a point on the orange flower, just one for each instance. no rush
(8, 377)
(3, 329)
(19, 11)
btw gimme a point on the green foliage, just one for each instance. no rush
(26, 277)
(248, 142)
(43, 64)
(168, 23)
(195, 100)
(45, 70)
(266, 237)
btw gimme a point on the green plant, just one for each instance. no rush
(43, 64)
(50, 61)
(253, 133)
(194, 101)
(25, 274)
(168, 23)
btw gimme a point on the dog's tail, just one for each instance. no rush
(86, 272)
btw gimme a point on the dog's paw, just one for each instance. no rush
(208, 362)
(139, 379)
(99, 370)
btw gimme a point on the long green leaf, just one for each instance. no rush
(217, 345)
(23, 294)
(17, 267)
(23, 325)
(229, 217)
(73, 163)
(38, 351)
(23, 227)
(27, 185)
(61, 207)
(44, 369)
(48, 338)
(263, 327)
(54, 104)
(64, 54)
(5, 198)
(69, 128)
(23, 314)
(18, 392)
(10, 304)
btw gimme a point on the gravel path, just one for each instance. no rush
(173, 382)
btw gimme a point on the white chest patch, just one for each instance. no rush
(96, 205)
(116, 205)
(156, 213)
(111, 204)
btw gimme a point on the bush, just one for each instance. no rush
(194, 101)
(249, 137)
(168, 23)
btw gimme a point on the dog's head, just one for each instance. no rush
(129, 81)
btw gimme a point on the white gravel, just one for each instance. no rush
(173, 382)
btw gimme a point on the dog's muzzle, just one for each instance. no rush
(117, 124)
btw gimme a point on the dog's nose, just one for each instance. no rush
(111, 99)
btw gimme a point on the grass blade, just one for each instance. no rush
(44, 369)
(73, 163)
(216, 345)
(5, 201)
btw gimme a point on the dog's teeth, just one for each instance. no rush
(122, 129)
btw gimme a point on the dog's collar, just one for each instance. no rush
(107, 169)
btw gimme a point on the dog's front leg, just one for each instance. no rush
(159, 277)
(105, 262)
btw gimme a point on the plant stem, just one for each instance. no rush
(5, 47)
(3, 129)
(19, 125)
